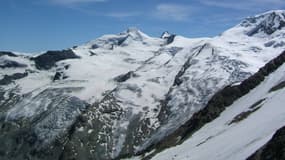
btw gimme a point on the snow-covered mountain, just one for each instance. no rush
(121, 95)
(242, 127)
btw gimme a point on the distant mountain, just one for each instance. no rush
(131, 94)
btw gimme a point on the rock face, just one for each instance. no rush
(10, 64)
(124, 77)
(7, 79)
(217, 104)
(273, 150)
(2, 53)
(274, 21)
(253, 118)
(169, 37)
(39, 133)
(48, 59)
(120, 94)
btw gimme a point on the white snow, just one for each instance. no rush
(220, 141)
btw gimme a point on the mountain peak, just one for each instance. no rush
(266, 23)
(168, 37)
(273, 12)
(165, 35)
(135, 34)
(133, 30)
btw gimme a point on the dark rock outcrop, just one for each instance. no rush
(59, 76)
(168, 37)
(186, 65)
(47, 60)
(92, 53)
(11, 64)
(273, 150)
(60, 73)
(7, 79)
(278, 86)
(3, 53)
(269, 25)
(124, 77)
(217, 105)
(43, 135)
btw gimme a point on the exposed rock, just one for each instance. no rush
(60, 73)
(110, 42)
(7, 79)
(40, 136)
(243, 115)
(273, 150)
(275, 44)
(95, 46)
(84, 142)
(269, 44)
(257, 104)
(169, 37)
(270, 23)
(186, 65)
(48, 59)
(4, 63)
(2, 53)
(278, 86)
(59, 76)
(217, 105)
(92, 53)
(124, 77)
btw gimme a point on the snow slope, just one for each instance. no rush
(220, 61)
(222, 140)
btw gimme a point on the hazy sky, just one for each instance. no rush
(38, 25)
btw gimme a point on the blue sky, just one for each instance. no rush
(38, 25)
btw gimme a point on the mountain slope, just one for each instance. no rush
(120, 94)
(222, 61)
(242, 128)
(274, 149)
